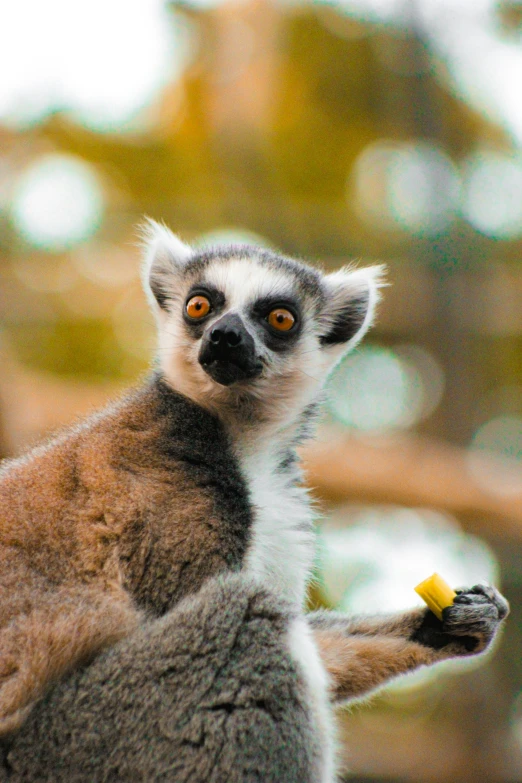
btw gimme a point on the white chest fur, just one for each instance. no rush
(280, 556)
(281, 550)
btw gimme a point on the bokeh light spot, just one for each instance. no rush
(374, 390)
(413, 185)
(100, 61)
(57, 203)
(495, 456)
(481, 62)
(493, 194)
(426, 375)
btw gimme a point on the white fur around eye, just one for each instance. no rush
(243, 281)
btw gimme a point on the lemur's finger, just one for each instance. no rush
(466, 620)
(483, 594)
(466, 598)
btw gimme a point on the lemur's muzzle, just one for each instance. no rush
(228, 351)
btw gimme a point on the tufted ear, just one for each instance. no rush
(164, 256)
(351, 299)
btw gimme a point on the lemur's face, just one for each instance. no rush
(239, 325)
(243, 317)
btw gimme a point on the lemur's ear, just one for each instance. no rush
(351, 298)
(164, 256)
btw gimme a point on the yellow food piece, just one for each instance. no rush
(436, 593)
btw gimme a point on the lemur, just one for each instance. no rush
(120, 522)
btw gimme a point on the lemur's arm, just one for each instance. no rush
(361, 654)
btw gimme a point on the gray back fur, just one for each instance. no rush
(207, 693)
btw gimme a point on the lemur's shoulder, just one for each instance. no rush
(147, 493)
(149, 430)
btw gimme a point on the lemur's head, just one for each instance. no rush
(245, 330)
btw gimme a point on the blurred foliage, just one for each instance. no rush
(75, 348)
(330, 96)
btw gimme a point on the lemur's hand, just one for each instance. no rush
(468, 626)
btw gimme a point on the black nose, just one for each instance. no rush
(228, 351)
(226, 336)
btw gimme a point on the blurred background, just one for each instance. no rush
(385, 130)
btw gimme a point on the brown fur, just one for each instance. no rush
(358, 665)
(94, 527)
(369, 652)
(63, 632)
(361, 654)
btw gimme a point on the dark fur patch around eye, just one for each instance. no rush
(347, 321)
(277, 340)
(217, 302)
(263, 306)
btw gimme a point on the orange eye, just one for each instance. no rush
(198, 307)
(281, 319)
